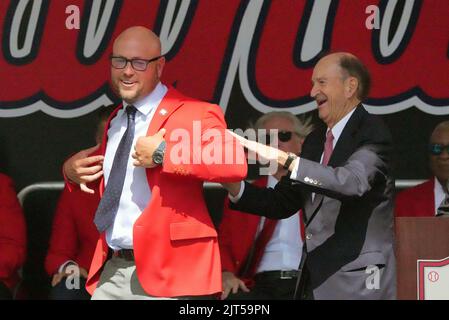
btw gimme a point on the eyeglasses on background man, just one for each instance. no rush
(436, 149)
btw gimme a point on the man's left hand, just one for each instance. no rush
(144, 149)
(267, 153)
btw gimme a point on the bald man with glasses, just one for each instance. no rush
(157, 240)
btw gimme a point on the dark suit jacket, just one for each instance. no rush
(349, 224)
(417, 201)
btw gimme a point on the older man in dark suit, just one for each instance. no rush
(342, 182)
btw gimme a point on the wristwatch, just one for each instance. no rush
(290, 158)
(158, 154)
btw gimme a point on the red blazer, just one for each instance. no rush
(417, 201)
(175, 242)
(74, 234)
(236, 236)
(12, 233)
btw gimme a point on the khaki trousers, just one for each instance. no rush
(118, 281)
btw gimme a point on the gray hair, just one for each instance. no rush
(302, 127)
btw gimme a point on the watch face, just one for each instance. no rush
(157, 158)
(158, 155)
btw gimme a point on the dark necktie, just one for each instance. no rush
(107, 209)
(443, 209)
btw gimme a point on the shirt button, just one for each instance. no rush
(308, 236)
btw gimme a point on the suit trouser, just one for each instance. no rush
(305, 291)
(118, 281)
(267, 288)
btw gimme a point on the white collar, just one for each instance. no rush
(340, 125)
(439, 187)
(146, 104)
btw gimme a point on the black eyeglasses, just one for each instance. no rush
(283, 136)
(137, 64)
(436, 149)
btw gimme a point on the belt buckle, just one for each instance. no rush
(126, 254)
(286, 274)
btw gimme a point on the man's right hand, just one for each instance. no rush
(231, 283)
(82, 169)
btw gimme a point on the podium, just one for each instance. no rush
(418, 238)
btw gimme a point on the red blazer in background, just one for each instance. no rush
(12, 233)
(236, 236)
(418, 201)
(175, 243)
(74, 234)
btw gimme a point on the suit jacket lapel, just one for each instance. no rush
(105, 133)
(347, 142)
(313, 153)
(342, 151)
(104, 142)
(172, 101)
(316, 146)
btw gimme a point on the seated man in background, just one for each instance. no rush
(260, 256)
(430, 198)
(74, 234)
(12, 238)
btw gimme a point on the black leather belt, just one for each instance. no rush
(278, 274)
(126, 254)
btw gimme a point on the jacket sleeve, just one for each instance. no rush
(365, 168)
(64, 239)
(281, 202)
(209, 153)
(12, 230)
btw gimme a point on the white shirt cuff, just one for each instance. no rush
(294, 173)
(239, 195)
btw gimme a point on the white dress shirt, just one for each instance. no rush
(136, 193)
(283, 251)
(439, 194)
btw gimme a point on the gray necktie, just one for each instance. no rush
(443, 209)
(107, 209)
